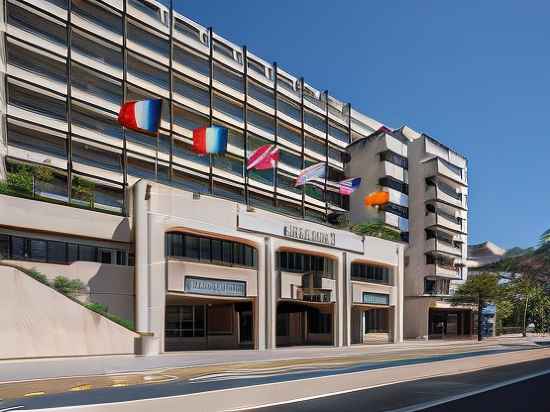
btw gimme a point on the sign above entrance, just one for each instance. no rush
(218, 287)
(300, 230)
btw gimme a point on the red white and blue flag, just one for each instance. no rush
(315, 171)
(263, 158)
(142, 116)
(210, 140)
(348, 186)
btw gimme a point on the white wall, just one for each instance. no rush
(38, 321)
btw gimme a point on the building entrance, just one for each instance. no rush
(304, 324)
(450, 323)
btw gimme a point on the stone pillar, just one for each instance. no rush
(272, 280)
(338, 313)
(348, 300)
(260, 327)
(399, 304)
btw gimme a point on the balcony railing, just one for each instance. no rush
(313, 295)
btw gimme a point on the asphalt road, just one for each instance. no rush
(180, 387)
(445, 394)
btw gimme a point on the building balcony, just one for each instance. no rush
(438, 245)
(436, 193)
(438, 167)
(443, 270)
(389, 169)
(437, 219)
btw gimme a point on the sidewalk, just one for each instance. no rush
(32, 369)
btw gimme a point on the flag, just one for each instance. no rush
(210, 140)
(317, 170)
(377, 199)
(142, 116)
(348, 186)
(263, 158)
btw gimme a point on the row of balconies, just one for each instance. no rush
(148, 35)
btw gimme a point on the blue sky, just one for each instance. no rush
(475, 75)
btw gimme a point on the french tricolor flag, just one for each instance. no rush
(210, 140)
(142, 116)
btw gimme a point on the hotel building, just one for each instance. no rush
(197, 252)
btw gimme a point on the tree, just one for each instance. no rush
(483, 288)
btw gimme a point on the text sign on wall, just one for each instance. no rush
(300, 231)
(218, 287)
(376, 298)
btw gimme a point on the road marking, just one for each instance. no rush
(159, 378)
(499, 385)
(116, 385)
(11, 408)
(83, 387)
(35, 393)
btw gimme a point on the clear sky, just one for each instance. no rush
(474, 75)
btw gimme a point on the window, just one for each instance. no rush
(192, 182)
(302, 263)
(261, 121)
(289, 134)
(289, 207)
(228, 77)
(291, 159)
(90, 82)
(225, 252)
(338, 133)
(257, 67)
(192, 60)
(51, 144)
(187, 30)
(287, 182)
(43, 103)
(376, 321)
(52, 251)
(96, 121)
(261, 93)
(185, 321)
(228, 107)
(370, 273)
(227, 191)
(96, 155)
(95, 49)
(142, 37)
(191, 90)
(223, 49)
(393, 183)
(39, 26)
(290, 109)
(37, 62)
(147, 71)
(319, 322)
(398, 210)
(436, 286)
(315, 145)
(315, 121)
(394, 158)
(98, 15)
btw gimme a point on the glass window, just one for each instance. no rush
(228, 77)
(289, 133)
(223, 49)
(315, 121)
(227, 252)
(290, 109)
(370, 273)
(38, 250)
(261, 93)
(96, 121)
(38, 63)
(217, 251)
(228, 107)
(315, 145)
(229, 192)
(192, 90)
(394, 158)
(261, 201)
(291, 159)
(4, 247)
(189, 31)
(185, 151)
(192, 182)
(37, 102)
(149, 72)
(205, 249)
(142, 167)
(33, 23)
(148, 40)
(18, 248)
(97, 156)
(289, 208)
(338, 133)
(192, 60)
(261, 121)
(57, 252)
(287, 182)
(36, 141)
(228, 163)
(192, 247)
(87, 253)
(98, 15)
(97, 50)
(258, 67)
(89, 81)
(72, 253)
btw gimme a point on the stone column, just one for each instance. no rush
(399, 285)
(260, 327)
(272, 280)
(339, 307)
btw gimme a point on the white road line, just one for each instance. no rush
(431, 404)
(11, 408)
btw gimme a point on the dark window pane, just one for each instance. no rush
(4, 247)
(227, 252)
(191, 247)
(57, 252)
(121, 257)
(72, 252)
(216, 250)
(87, 253)
(38, 250)
(18, 248)
(205, 249)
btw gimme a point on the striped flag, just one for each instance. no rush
(142, 116)
(317, 170)
(348, 186)
(210, 140)
(263, 158)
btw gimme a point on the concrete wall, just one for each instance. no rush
(3, 96)
(37, 321)
(110, 285)
(415, 318)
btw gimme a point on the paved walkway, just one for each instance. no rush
(32, 369)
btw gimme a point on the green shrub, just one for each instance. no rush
(104, 311)
(38, 276)
(67, 286)
(20, 180)
(376, 229)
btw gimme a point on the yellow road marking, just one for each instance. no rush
(35, 393)
(117, 385)
(83, 387)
